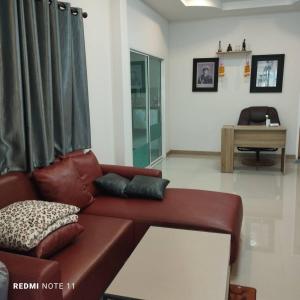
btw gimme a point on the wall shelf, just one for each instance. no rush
(248, 52)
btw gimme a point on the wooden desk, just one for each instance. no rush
(250, 136)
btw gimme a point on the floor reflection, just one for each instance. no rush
(297, 216)
(269, 257)
(259, 234)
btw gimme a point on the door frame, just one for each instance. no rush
(163, 97)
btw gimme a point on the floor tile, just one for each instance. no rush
(270, 244)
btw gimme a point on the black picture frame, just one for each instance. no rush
(138, 77)
(267, 73)
(209, 82)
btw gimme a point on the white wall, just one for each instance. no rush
(108, 38)
(298, 135)
(148, 32)
(98, 51)
(196, 118)
(121, 92)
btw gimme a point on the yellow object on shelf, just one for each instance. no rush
(221, 70)
(247, 69)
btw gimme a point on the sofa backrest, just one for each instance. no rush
(16, 186)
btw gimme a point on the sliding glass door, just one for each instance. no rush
(146, 108)
(155, 108)
(140, 115)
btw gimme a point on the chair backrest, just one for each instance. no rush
(256, 115)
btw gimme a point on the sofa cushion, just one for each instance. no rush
(61, 182)
(181, 208)
(57, 240)
(112, 184)
(147, 187)
(24, 224)
(16, 186)
(104, 246)
(89, 169)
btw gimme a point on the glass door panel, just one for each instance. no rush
(155, 108)
(140, 112)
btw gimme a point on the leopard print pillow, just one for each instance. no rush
(24, 224)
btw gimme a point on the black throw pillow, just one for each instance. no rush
(147, 187)
(112, 184)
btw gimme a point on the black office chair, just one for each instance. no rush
(256, 115)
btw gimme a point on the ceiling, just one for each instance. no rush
(174, 10)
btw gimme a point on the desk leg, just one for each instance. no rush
(283, 160)
(227, 149)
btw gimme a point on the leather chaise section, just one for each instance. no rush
(181, 208)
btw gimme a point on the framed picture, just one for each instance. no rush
(267, 73)
(205, 74)
(138, 83)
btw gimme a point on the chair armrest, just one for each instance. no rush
(130, 172)
(25, 269)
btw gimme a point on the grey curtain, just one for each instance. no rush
(12, 134)
(44, 105)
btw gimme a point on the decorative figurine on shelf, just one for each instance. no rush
(244, 46)
(229, 48)
(220, 47)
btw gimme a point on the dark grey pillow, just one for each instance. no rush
(112, 184)
(147, 187)
(3, 281)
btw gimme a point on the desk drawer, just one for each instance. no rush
(260, 138)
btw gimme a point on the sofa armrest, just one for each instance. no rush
(130, 172)
(25, 270)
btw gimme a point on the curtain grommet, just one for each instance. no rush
(62, 6)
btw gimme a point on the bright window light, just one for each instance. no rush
(209, 3)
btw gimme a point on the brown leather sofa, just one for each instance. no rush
(113, 228)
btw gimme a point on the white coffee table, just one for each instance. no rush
(173, 264)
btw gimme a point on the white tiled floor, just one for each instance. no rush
(270, 245)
